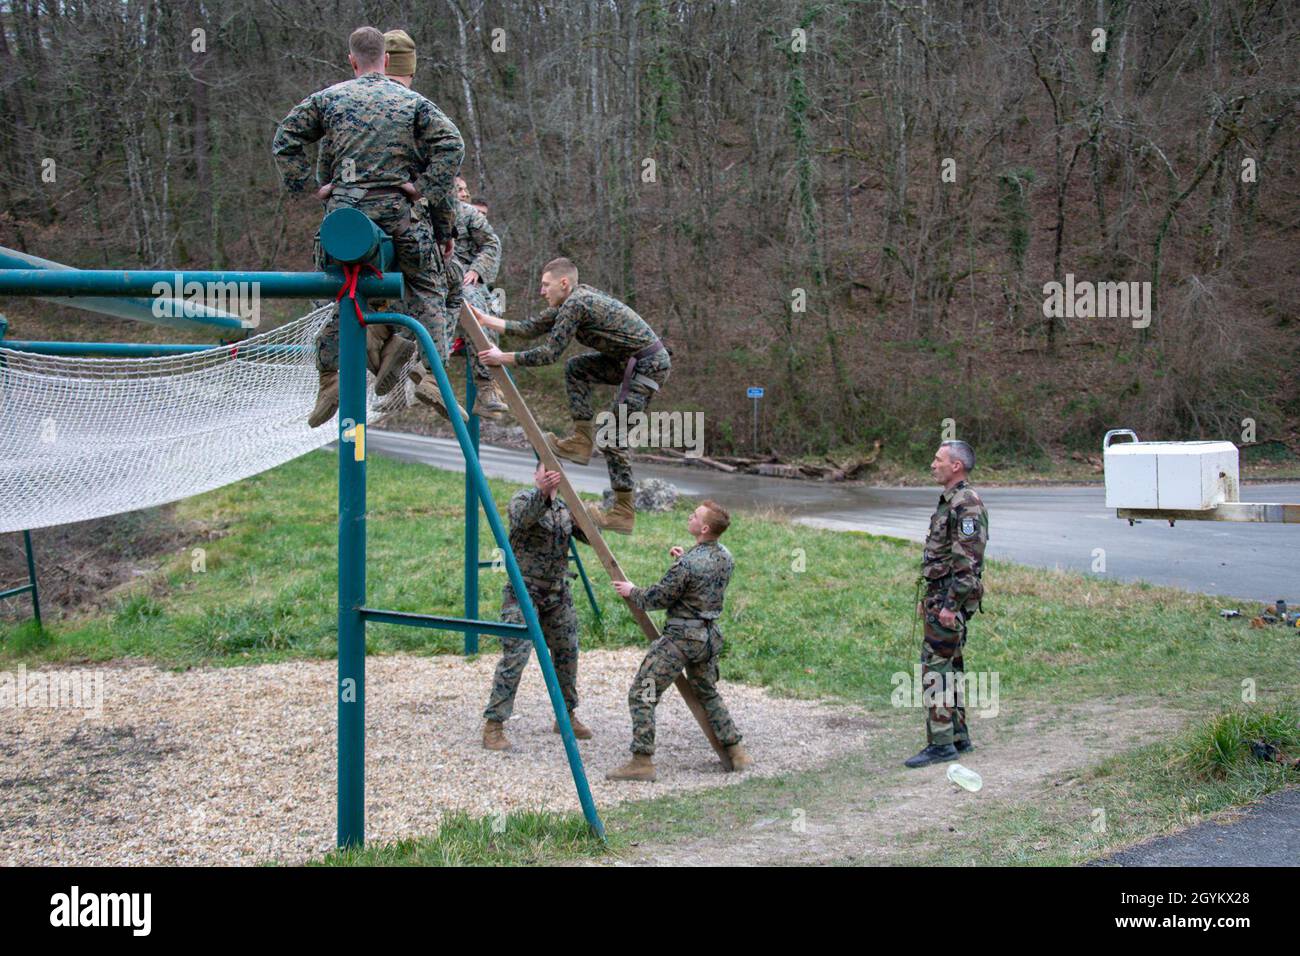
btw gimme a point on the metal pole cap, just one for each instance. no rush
(347, 235)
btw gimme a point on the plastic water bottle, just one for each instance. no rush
(964, 777)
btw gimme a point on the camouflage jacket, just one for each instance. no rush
(953, 561)
(540, 529)
(693, 587)
(595, 319)
(477, 245)
(377, 133)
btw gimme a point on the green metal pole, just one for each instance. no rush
(31, 576)
(140, 349)
(471, 511)
(352, 580)
(270, 285)
(474, 468)
(586, 581)
(139, 309)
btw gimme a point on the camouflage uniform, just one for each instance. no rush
(540, 529)
(617, 334)
(378, 135)
(951, 566)
(692, 592)
(478, 247)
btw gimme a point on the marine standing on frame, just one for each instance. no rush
(390, 148)
(478, 255)
(952, 566)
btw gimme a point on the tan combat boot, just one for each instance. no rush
(426, 390)
(640, 767)
(376, 337)
(740, 758)
(489, 402)
(327, 400)
(580, 730)
(393, 358)
(620, 518)
(579, 446)
(494, 736)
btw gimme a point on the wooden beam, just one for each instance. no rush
(533, 431)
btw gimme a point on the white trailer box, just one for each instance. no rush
(1168, 475)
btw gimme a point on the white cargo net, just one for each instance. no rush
(83, 438)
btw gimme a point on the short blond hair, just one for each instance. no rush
(716, 517)
(367, 46)
(562, 268)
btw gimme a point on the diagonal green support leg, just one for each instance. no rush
(586, 581)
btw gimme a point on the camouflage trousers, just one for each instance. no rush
(476, 294)
(432, 288)
(559, 621)
(595, 368)
(941, 655)
(679, 649)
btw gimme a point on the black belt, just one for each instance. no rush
(629, 371)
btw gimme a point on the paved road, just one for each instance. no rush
(1268, 835)
(1045, 526)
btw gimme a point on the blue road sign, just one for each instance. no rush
(754, 391)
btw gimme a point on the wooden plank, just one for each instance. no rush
(469, 324)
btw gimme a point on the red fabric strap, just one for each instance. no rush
(351, 273)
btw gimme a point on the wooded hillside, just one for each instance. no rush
(854, 204)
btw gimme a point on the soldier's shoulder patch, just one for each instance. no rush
(968, 526)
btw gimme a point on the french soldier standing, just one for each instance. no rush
(951, 566)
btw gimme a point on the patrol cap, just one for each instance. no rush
(401, 53)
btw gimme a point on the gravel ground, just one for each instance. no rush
(237, 765)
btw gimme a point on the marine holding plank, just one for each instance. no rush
(540, 530)
(692, 593)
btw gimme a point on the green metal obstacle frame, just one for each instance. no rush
(358, 253)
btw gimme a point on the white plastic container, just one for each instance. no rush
(1169, 475)
(965, 777)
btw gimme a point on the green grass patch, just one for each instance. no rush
(518, 839)
(810, 613)
(1131, 797)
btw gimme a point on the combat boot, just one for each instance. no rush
(640, 767)
(327, 400)
(578, 446)
(494, 736)
(427, 391)
(934, 753)
(393, 358)
(489, 402)
(740, 758)
(377, 337)
(620, 518)
(580, 730)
